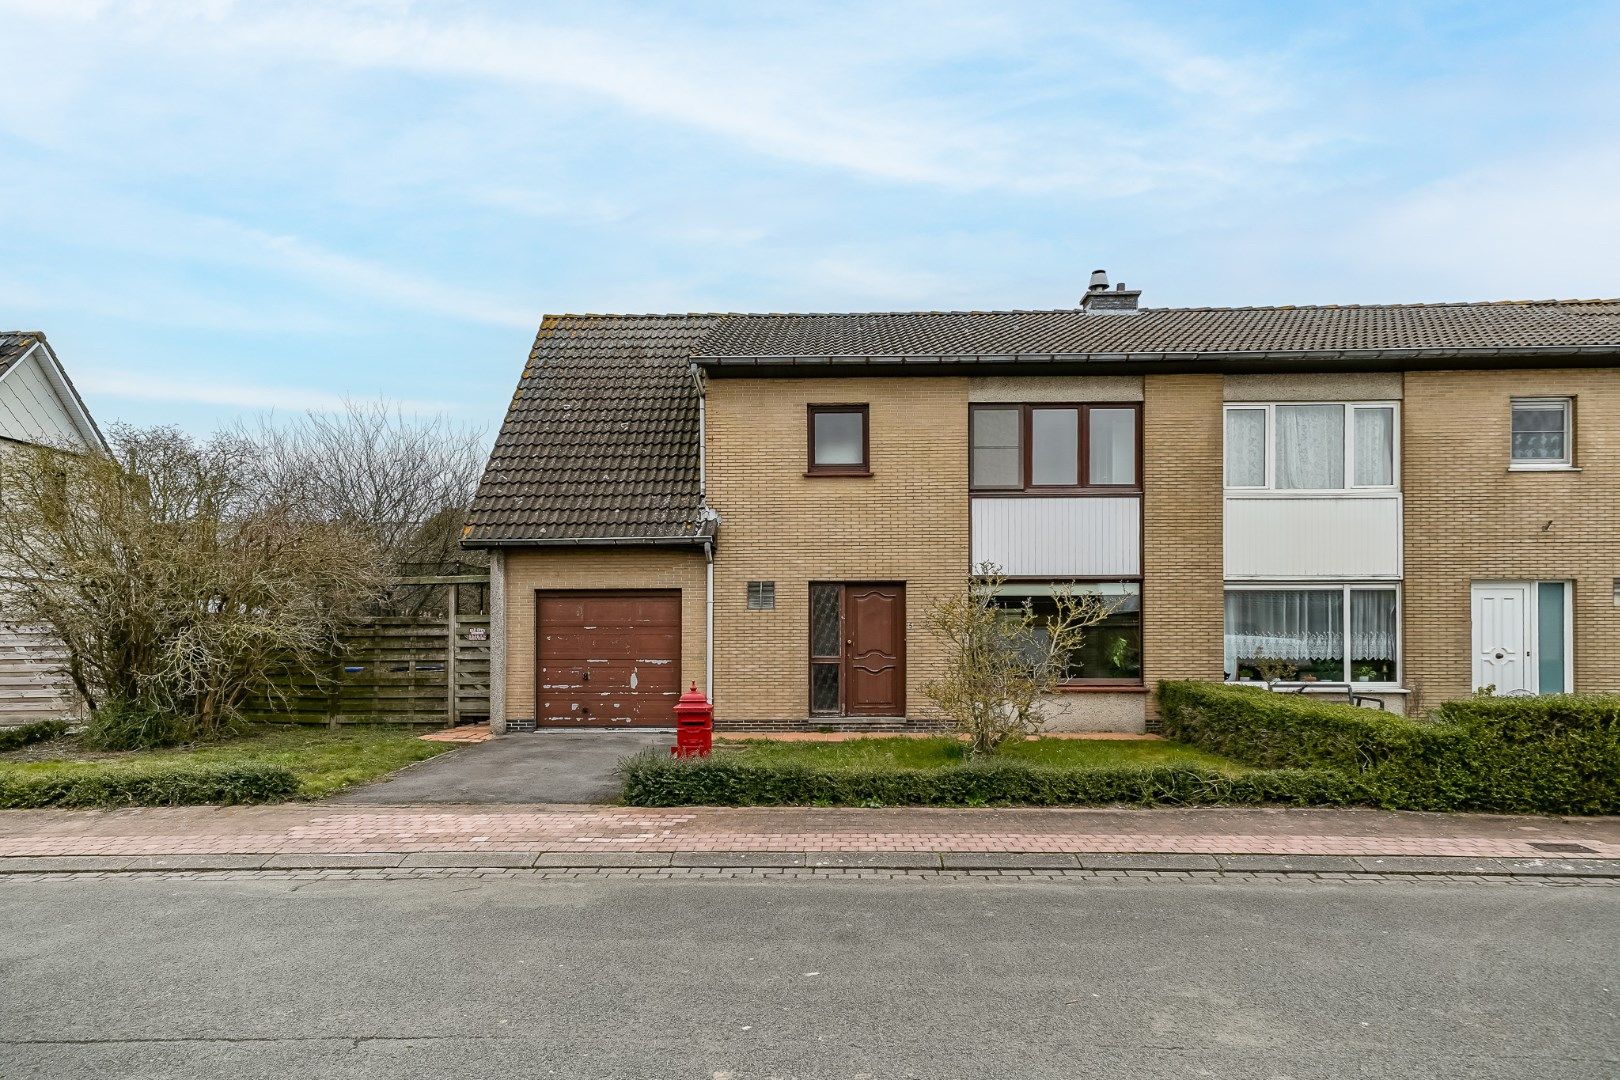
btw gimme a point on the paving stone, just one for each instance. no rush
(470, 858)
(601, 858)
(43, 864)
(1289, 864)
(772, 859)
(1149, 862)
(875, 860)
(196, 862)
(1429, 864)
(333, 861)
(1609, 868)
(1009, 860)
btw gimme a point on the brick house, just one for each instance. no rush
(1399, 503)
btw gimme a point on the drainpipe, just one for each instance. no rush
(707, 517)
(708, 623)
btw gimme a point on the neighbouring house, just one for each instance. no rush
(38, 405)
(1393, 503)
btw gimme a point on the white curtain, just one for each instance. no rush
(1246, 447)
(1310, 447)
(1113, 446)
(1372, 624)
(1375, 447)
(1297, 625)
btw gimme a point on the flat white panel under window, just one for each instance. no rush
(997, 455)
(1374, 446)
(1054, 447)
(1111, 448)
(1541, 431)
(1310, 447)
(1245, 448)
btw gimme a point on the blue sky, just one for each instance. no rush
(220, 208)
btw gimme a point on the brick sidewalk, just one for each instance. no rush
(315, 830)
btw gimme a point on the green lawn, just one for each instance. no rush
(324, 761)
(936, 752)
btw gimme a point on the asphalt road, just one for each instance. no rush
(720, 980)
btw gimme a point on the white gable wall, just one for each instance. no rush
(32, 408)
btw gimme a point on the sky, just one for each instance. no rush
(218, 209)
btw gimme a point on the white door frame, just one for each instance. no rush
(1530, 589)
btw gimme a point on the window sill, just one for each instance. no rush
(1327, 687)
(845, 474)
(1052, 493)
(1544, 468)
(1101, 688)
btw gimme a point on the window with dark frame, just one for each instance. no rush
(839, 440)
(1055, 448)
(1110, 653)
(762, 596)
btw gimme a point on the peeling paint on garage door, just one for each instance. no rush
(608, 659)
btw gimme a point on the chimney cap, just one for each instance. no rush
(1099, 281)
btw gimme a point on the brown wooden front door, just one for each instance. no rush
(607, 659)
(858, 649)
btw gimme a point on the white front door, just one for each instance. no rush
(1502, 637)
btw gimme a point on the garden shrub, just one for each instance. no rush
(124, 725)
(146, 785)
(1557, 754)
(653, 779)
(15, 738)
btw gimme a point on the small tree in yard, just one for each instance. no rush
(1000, 661)
(180, 575)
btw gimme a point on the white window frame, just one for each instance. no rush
(1345, 588)
(1350, 486)
(1565, 463)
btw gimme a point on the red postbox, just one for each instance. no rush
(694, 725)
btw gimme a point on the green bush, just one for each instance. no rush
(653, 779)
(15, 738)
(122, 725)
(147, 785)
(1557, 754)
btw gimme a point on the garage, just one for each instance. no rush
(608, 658)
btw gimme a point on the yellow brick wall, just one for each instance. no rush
(907, 522)
(531, 570)
(1469, 519)
(1183, 605)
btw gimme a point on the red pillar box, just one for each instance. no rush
(694, 725)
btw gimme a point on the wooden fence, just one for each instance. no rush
(396, 669)
(32, 683)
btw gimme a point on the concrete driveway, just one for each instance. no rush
(527, 767)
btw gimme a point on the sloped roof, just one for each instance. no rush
(1185, 333)
(13, 343)
(601, 439)
(600, 443)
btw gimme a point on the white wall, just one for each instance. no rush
(31, 409)
(1302, 537)
(1059, 537)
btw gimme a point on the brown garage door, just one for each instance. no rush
(608, 659)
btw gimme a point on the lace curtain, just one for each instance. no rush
(1310, 447)
(1307, 626)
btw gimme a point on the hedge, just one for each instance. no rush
(15, 738)
(654, 779)
(147, 785)
(1558, 754)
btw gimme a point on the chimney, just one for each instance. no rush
(1100, 300)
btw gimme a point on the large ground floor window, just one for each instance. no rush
(1110, 653)
(1337, 633)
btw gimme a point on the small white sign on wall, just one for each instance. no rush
(478, 633)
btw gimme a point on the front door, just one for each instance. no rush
(858, 649)
(1501, 636)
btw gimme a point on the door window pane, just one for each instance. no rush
(1054, 440)
(1373, 632)
(1111, 446)
(997, 459)
(839, 438)
(1310, 447)
(824, 688)
(826, 627)
(1550, 637)
(1375, 447)
(1541, 431)
(1300, 628)
(1246, 448)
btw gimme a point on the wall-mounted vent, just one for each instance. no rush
(762, 596)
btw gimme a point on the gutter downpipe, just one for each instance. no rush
(708, 543)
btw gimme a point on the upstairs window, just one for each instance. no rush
(1054, 449)
(1311, 447)
(839, 440)
(1541, 433)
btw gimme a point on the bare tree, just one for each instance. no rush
(406, 480)
(179, 574)
(1001, 662)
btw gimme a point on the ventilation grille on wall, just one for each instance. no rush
(762, 596)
